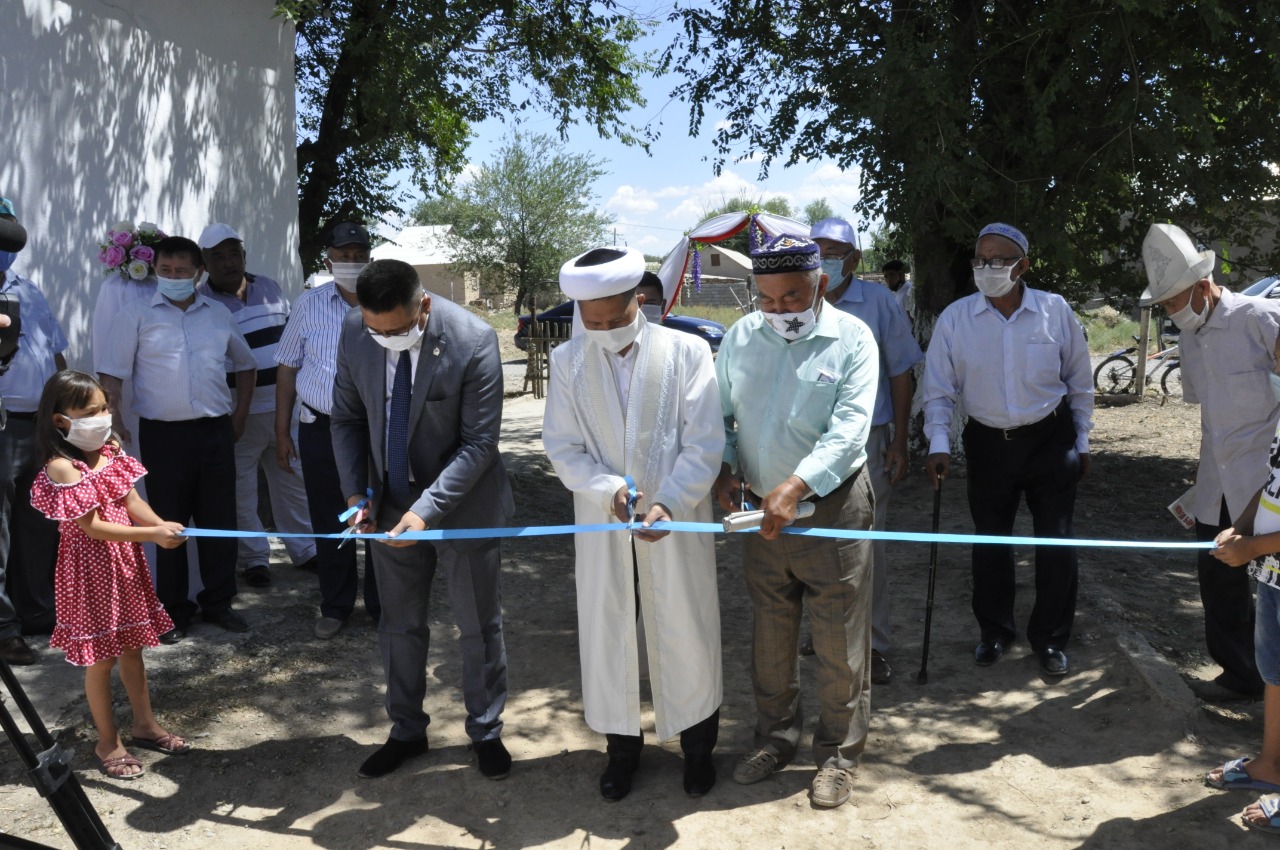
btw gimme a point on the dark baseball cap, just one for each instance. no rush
(348, 233)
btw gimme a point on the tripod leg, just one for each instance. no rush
(51, 774)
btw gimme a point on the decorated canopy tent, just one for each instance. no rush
(685, 254)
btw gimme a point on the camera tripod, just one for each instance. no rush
(50, 772)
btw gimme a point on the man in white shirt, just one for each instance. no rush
(1016, 358)
(631, 398)
(1228, 346)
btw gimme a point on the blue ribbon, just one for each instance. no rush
(715, 528)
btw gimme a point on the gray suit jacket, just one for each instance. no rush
(454, 419)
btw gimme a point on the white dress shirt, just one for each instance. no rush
(1006, 372)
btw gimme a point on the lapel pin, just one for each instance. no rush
(436, 352)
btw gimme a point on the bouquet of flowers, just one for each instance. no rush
(129, 251)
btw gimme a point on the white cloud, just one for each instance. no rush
(627, 200)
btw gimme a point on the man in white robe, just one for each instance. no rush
(629, 398)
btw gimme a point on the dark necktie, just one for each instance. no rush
(398, 432)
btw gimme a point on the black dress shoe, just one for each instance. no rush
(14, 650)
(492, 757)
(615, 782)
(228, 619)
(699, 775)
(390, 756)
(988, 653)
(1052, 661)
(172, 636)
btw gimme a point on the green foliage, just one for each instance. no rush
(388, 86)
(816, 211)
(522, 215)
(882, 245)
(1080, 121)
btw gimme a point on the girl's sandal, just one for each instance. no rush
(116, 768)
(169, 744)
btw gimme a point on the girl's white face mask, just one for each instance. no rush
(89, 433)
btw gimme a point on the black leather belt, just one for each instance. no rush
(1023, 431)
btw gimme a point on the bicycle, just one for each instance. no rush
(1115, 374)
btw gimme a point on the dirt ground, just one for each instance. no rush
(1110, 756)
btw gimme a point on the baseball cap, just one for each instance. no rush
(348, 233)
(216, 234)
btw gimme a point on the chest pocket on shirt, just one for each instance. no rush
(1044, 362)
(813, 396)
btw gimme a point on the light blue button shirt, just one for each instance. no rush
(1006, 372)
(879, 310)
(801, 408)
(39, 340)
(177, 359)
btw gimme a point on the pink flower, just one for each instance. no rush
(115, 255)
(124, 239)
(142, 252)
(102, 255)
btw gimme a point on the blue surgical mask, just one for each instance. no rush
(6, 260)
(834, 270)
(176, 289)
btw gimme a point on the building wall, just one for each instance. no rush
(715, 292)
(150, 110)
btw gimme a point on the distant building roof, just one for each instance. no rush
(420, 245)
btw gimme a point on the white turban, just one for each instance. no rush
(602, 272)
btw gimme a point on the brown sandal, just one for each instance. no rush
(169, 744)
(114, 768)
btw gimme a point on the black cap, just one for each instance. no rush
(348, 233)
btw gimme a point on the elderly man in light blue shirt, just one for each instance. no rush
(1015, 358)
(28, 539)
(797, 388)
(887, 454)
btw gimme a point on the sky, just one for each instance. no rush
(655, 198)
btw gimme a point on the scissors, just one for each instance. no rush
(633, 496)
(352, 530)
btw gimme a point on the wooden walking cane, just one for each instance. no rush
(923, 675)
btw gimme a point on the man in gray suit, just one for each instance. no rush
(417, 407)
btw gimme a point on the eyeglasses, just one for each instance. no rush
(393, 334)
(994, 262)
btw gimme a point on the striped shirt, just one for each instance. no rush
(39, 339)
(310, 344)
(175, 358)
(261, 317)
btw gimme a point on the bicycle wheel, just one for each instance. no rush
(1114, 375)
(1171, 380)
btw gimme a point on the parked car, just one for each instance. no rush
(712, 332)
(1268, 287)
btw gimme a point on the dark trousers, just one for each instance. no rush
(28, 539)
(698, 740)
(1045, 467)
(191, 479)
(336, 568)
(1228, 613)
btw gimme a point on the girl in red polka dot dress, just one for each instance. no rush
(106, 604)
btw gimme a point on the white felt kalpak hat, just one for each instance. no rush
(1173, 263)
(602, 272)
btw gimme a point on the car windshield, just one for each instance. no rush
(1261, 287)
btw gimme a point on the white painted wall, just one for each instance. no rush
(170, 111)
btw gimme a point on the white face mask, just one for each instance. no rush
(1275, 385)
(793, 326)
(994, 282)
(90, 433)
(1188, 319)
(616, 339)
(400, 342)
(346, 274)
(834, 270)
(652, 312)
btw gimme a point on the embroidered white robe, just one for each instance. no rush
(670, 440)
